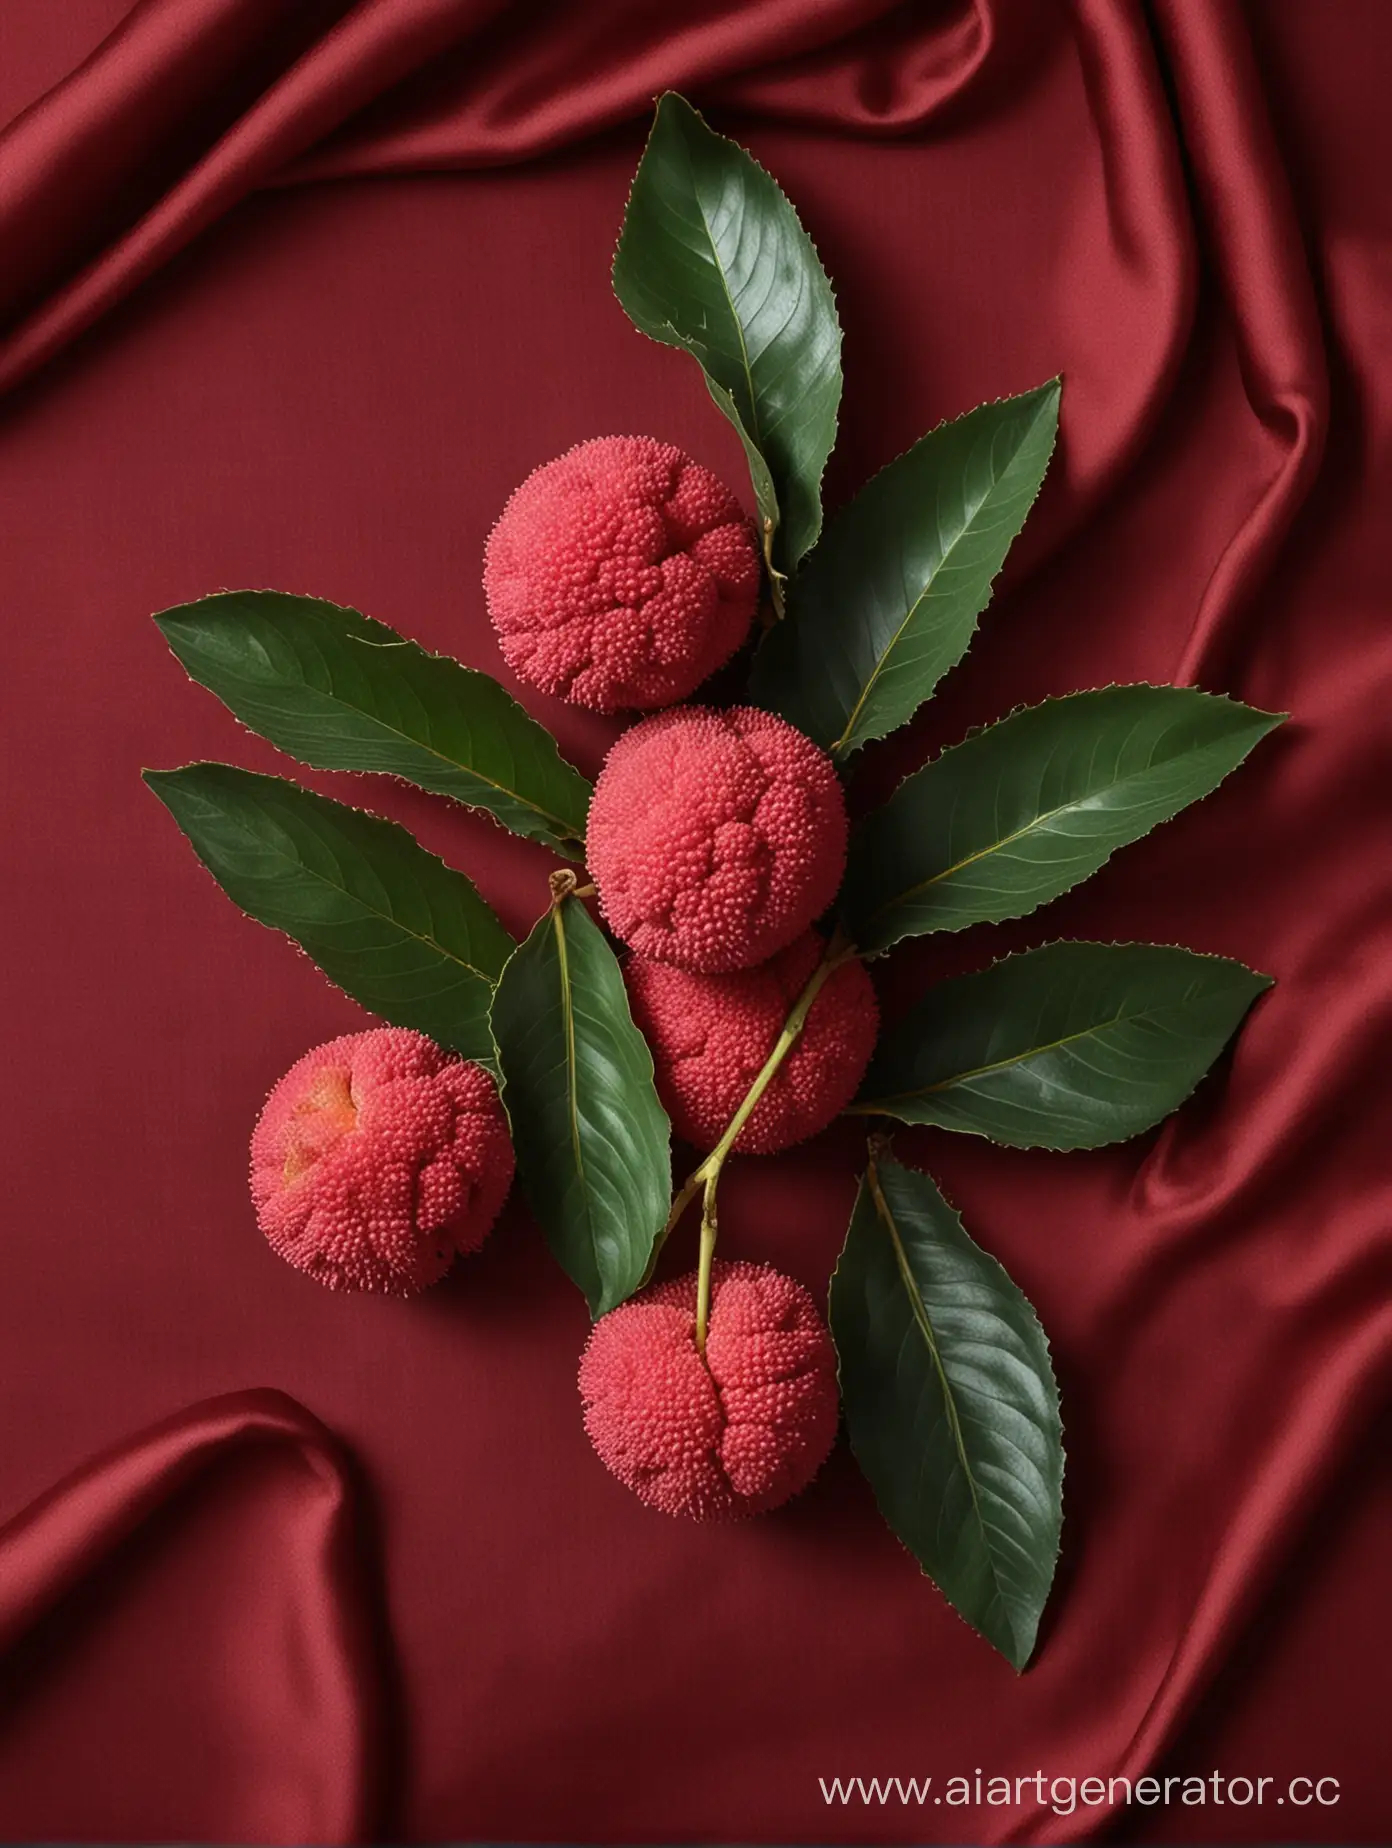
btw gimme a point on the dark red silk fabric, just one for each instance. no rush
(340, 274)
(305, 1761)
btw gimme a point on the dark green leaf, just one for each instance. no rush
(889, 600)
(951, 1404)
(593, 1142)
(1066, 1047)
(342, 692)
(1025, 809)
(712, 260)
(394, 927)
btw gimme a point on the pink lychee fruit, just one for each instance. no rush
(621, 575)
(715, 838)
(733, 1434)
(376, 1158)
(711, 1035)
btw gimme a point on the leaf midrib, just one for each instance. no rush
(879, 667)
(919, 1310)
(572, 1063)
(1018, 834)
(1019, 1058)
(756, 435)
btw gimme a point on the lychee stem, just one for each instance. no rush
(707, 1176)
(703, 1267)
(564, 883)
(775, 576)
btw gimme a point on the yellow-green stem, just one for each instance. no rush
(775, 577)
(703, 1267)
(707, 1177)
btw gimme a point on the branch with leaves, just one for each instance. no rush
(948, 1390)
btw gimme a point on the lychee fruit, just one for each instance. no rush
(733, 1434)
(621, 575)
(376, 1158)
(715, 838)
(710, 1036)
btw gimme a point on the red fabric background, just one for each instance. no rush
(333, 389)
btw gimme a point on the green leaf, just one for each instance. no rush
(1025, 809)
(593, 1142)
(1066, 1047)
(712, 260)
(889, 600)
(394, 927)
(342, 692)
(951, 1404)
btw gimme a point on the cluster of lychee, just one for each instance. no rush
(622, 576)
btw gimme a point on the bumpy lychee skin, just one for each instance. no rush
(710, 1036)
(715, 838)
(735, 1434)
(621, 575)
(378, 1157)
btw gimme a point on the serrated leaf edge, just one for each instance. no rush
(148, 776)
(564, 842)
(915, 1302)
(873, 1107)
(841, 747)
(1057, 699)
(600, 1306)
(717, 391)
